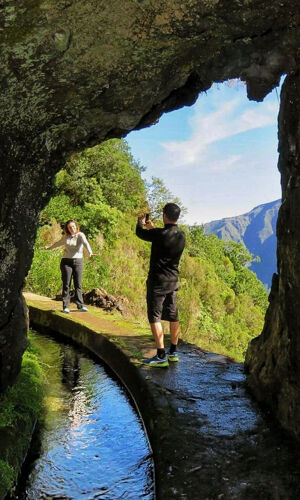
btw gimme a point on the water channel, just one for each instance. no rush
(91, 444)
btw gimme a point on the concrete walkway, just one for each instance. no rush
(209, 439)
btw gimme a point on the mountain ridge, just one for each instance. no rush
(255, 229)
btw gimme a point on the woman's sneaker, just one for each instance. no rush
(66, 310)
(156, 361)
(173, 356)
(82, 308)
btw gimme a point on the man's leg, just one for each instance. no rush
(158, 334)
(170, 313)
(174, 332)
(154, 308)
(160, 359)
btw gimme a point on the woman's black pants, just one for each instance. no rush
(71, 268)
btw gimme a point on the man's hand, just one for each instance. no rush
(149, 224)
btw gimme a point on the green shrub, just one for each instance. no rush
(20, 406)
(25, 396)
(7, 477)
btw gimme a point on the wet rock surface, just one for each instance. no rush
(223, 445)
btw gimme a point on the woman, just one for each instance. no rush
(71, 264)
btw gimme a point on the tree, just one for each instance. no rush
(158, 195)
(107, 174)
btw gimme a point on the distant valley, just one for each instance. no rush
(257, 231)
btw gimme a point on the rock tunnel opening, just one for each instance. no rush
(67, 85)
(200, 151)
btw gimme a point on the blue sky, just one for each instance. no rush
(218, 156)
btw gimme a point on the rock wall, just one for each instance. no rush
(273, 358)
(74, 73)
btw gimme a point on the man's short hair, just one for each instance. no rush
(172, 211)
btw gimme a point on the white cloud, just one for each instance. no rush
(225, 164)
(209, 128)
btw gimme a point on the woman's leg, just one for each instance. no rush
(77, 278)
(66, 276)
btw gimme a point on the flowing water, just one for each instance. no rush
(92, 444)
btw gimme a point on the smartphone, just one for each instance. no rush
(147, 217)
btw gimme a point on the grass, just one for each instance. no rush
(20, 407)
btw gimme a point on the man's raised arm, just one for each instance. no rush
(145, 234)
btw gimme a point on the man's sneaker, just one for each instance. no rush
(66, 310)
(82, 308)
(156, 361)
(173, 357)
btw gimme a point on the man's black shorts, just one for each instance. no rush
(162, 303)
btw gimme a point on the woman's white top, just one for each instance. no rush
(74, 245)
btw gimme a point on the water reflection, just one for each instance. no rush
(93, 445)
(70, 366)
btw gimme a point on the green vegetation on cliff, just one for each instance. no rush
(222, 303)
(20, 407)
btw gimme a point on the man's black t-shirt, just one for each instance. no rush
(167, 246)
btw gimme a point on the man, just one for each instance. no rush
(162, 283)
